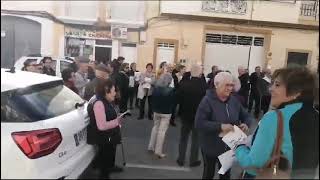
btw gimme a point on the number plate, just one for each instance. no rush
(80, 137)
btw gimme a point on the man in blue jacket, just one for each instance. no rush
(218, 111)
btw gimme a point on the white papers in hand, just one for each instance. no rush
(127, 112)
(131, 81)
(147, 80)
(233, 138)
(137, 76)
(146, 86)
(226, 160)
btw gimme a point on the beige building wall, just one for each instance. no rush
(188, 32)
(284, 40)
(58, 40)
(190, 35)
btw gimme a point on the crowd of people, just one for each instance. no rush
(208, 108)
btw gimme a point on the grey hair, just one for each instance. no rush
(222, 77)
(164, 80)
(237, 84)
(241, 67)
(195, 70)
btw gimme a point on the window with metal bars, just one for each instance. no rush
(234, 39)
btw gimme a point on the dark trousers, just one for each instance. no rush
(123, 105)
(245, 96)
(209, 167)
(133, 95)
(254, 96)
(142, 103)
(186, 128)
(265, 103)
(106, 158)
(173, 115)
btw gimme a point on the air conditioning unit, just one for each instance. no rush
(118, 32)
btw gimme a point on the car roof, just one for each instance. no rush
(22, 79)
(19, 63)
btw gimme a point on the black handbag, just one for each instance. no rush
(112, 136)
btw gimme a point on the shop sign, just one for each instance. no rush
(87, 34)
(118, 32)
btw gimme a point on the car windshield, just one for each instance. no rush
(37, 102)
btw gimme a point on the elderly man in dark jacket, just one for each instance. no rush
(255, 93)
(102, 73)
(189, 96)
(217, 113)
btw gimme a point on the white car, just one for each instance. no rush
(58, 64)
(43, 128)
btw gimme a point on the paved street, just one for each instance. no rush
(142, 165)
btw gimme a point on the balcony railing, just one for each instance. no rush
(310, 9)
(226, 6)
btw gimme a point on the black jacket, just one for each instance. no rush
(254, 80)
(189, 94)
(163, 100)
(245, 86)
(175, 80)
(123, 83)
(91, 73)
(187, 76)
(304, 130)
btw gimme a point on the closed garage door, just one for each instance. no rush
(129, 52)
(228, 51)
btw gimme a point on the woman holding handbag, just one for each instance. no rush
(104, 127)
(286, 142)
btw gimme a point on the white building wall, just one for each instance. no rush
(28, 5)
(47, 33)
(285, 11)
(195, 8)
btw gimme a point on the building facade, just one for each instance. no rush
(100, 30)
(231, 33)
(227, 33)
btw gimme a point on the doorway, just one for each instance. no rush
(102, 54)
(165, 50)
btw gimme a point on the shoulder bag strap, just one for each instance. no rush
(275, 157)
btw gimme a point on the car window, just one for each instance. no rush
(38, 102)
(64, 65)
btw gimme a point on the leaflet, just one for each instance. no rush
(233, 138)
(226, 160)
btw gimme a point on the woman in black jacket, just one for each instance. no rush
(104, 127)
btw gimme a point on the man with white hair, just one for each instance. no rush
(190, 93)
(217, 113)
